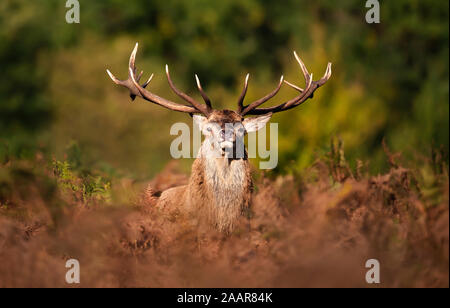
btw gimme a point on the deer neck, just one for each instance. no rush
(228, 183)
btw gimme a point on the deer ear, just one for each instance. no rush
(256, 123)
(199, 120)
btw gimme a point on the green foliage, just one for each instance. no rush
(23, 106)
(390, 80)
(85, 187)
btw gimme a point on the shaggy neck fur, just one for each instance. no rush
(228, 185)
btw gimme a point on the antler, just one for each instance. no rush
(132, 84)
(262, 100)
(202, 93)
(306, 93)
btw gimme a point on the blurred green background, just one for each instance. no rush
(390, 80)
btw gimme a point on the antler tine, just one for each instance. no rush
(132, 84)
(139, 76)
(159, 100)
(305, 94)
(114, 79)
(302, 65)
(145, 84)
(243, 93)
(264, 99)
(326, 75)
(294, 86)
(202, 93)
(132, 60)
(128, 83)
(204, 109)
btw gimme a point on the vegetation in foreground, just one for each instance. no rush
(314, 229)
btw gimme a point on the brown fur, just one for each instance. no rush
(225, 116)
(218, 192)
(219, 189)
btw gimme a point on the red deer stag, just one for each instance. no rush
(220, 186)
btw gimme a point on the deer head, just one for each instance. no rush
(221, 188)
(223, 129)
